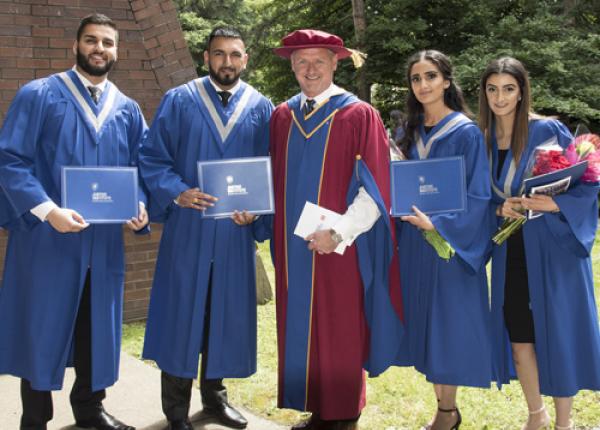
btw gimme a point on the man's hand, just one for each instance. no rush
(66, 220)
(195, 199)
(540, 203)
(321, 242)
(136, 224)
(511, 208)
(243, 218)
(419, 220)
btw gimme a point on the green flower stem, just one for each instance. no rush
(441, 246)
(507, 229)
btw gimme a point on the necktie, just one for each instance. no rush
(224, 97)
(95, 93)
(309, 105)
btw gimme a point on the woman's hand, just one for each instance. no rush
(511, 208)
(540, 203)
(419, 220)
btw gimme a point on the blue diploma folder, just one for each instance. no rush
(570, 174)
(435, 186)
(102, 195)
(239, 184)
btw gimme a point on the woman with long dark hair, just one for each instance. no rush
(543, 307)
(446, 302)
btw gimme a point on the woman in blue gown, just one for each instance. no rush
(446, 302)
(544, 316)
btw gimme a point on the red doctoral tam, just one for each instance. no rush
(303, 39)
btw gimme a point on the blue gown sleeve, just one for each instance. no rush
(20, 190)
(262, 228)
(469, 232)
(574, 227)
(136, 135)
(375, 253)
(158, 154)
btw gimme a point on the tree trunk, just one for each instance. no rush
(360, 31)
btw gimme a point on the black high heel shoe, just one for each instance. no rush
(458, 417)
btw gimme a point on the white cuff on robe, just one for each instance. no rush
(43, 209)
(359, 218)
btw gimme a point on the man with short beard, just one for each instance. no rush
(61, 297)
(204, 294)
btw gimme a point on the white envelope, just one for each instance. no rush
(314, 218)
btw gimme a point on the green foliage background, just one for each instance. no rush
(558, 41)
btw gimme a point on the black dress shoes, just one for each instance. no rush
(226, 415)
(180, 425)
(103, 421)
(313, 423)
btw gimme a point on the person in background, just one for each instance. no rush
(545, 323)
(62, 292)
(446, 302)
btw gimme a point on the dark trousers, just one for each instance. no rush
(37, 405)
(176, 392)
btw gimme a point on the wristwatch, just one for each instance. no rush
(335, 236)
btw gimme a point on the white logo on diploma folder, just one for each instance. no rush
(100, 196)
(427, 188)
(235, 189)
(314, 218)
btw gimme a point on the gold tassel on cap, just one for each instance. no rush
(358, 58)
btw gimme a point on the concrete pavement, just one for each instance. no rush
(135, 399)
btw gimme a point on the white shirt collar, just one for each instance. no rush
(233, 90)
(329, 92)
(86, 83)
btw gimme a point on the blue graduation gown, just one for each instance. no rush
(53, 122)
(191, 125)
(559, 274)
(447, 314)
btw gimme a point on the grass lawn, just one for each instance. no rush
(400, 398)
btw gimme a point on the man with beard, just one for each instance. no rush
(204, 294)
(61, 297)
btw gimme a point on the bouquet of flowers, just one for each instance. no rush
(551, 157)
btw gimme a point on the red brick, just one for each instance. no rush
(8, 41)
(120, 4)
(167, 5)
(32, 63)
(15, 52)
(17, 73)
(49, 53)
(15, 30)
(61, 43)
(137, 5)
(63, 2)
(48, 31)
(16, 8)
(7, 95)
(39, 42)
(48, 10)
(6, 84)
(7, 19)
(151, 84)
(42, 73)
(139, 54)
(31, 20)
(147, 12)
(69, 24)
(61, 64)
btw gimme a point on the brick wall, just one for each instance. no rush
(36, 39)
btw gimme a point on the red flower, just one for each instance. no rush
(549, 161)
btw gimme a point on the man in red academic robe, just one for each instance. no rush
(337, 312)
